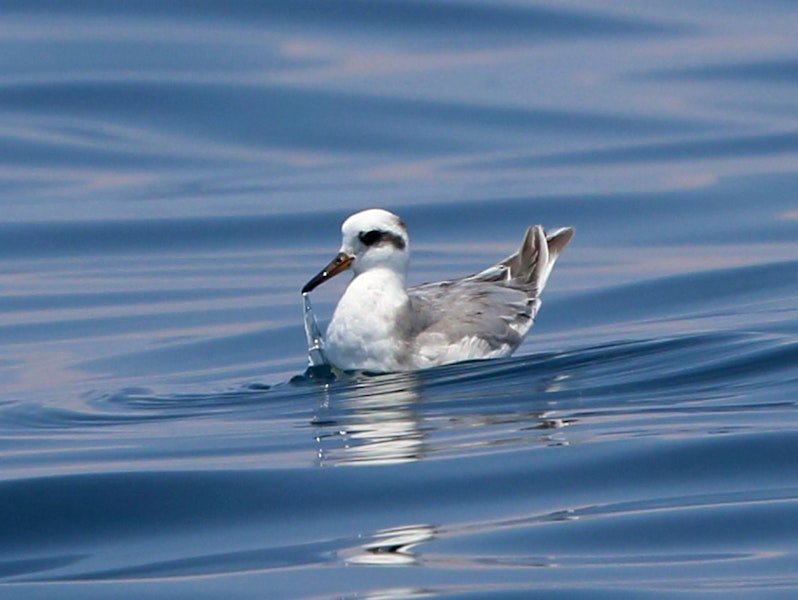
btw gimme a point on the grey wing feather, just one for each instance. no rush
(498, 304)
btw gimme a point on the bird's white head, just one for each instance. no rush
(376, 238)
(371, 238)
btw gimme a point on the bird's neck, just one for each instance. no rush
(378, 281)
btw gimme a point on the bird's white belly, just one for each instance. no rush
(352, 349)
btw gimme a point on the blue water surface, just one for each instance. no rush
(172, 173)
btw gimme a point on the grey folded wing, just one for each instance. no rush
(497, 305)
(472, 307)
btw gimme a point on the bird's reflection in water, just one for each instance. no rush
(391, 546)
(400, 594)
(372, 422)
(386, 419)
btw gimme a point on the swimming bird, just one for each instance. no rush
(381, 325)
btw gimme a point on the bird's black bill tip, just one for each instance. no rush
(337, 265)
(311, 285)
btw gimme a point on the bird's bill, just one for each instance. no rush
(339, 264)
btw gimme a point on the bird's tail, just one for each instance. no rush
(530, 267)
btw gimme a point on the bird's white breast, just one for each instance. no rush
(366, 329)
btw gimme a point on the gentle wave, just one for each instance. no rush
(415, 17)
(708, 361)
(149, 506)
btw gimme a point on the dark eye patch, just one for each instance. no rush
(369, 238)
